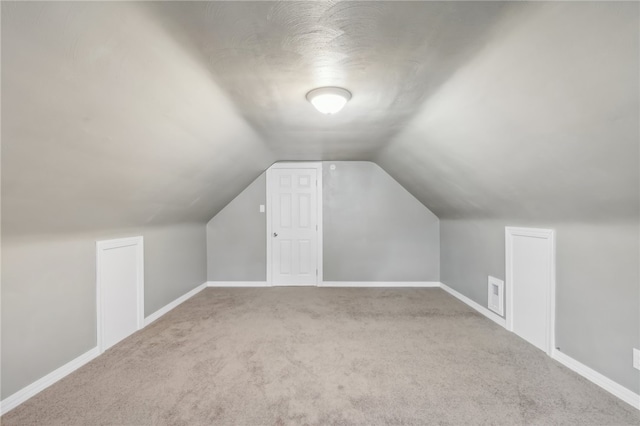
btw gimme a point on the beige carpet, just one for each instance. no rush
(299, 356)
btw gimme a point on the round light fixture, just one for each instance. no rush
(329, 100)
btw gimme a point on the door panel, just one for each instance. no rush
(304, 206)
(285, 211)
(120, 297)
(294, 230)
(530, 273)
(120, 289)
(304, 250)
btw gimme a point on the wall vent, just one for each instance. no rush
(496, 295)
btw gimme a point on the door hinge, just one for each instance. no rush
(316, 272)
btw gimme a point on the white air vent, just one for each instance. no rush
(496, 295)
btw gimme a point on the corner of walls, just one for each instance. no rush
(236, 246)
(470, 251)
(374, 229)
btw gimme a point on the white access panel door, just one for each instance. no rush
(294, 226)
(531, 284)
(120, 287)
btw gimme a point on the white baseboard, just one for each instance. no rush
(331, 284)
(237, 284)
(34, 388)
(39, 385)
(605, 383)
(379, 284)
(160, 312)
(484, 311)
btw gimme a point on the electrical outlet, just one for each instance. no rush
(636, 358)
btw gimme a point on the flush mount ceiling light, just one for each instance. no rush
(329, 100)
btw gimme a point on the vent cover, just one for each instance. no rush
(496, 295)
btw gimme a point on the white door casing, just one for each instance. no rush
(119, 289)
(294, 211)
(530, 285)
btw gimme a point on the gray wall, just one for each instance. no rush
(49, 293)
(175, 263)
(237, 237)
(597, 320)
(541, 128)
(374, 230)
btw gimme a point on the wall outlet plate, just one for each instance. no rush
(636, 358)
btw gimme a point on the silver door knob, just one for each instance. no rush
(275, 234)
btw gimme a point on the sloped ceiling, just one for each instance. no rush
(542, 124)
(268, 55)
(127, 114)
(107, 122)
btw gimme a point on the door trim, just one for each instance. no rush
(101, 247)
(550, 236)
(296, 165)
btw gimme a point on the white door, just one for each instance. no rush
(293, 208)
(120, 289)
(530, 271)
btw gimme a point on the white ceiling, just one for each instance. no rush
(127, 114)
(267, 55)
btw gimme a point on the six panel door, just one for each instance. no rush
(294, 226)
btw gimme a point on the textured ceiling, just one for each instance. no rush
(268, 55)
(127, 114)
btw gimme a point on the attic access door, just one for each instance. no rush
(120, 289)
(530, 284)
(294, 210)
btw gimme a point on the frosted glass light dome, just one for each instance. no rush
(329, 100)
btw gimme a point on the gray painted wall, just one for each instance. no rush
(374, 230)
(597, 291)
(530, 112)
(175, 263)
(49, 293)
(541, 128)
(237, 237)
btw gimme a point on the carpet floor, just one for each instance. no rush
(323, 356)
